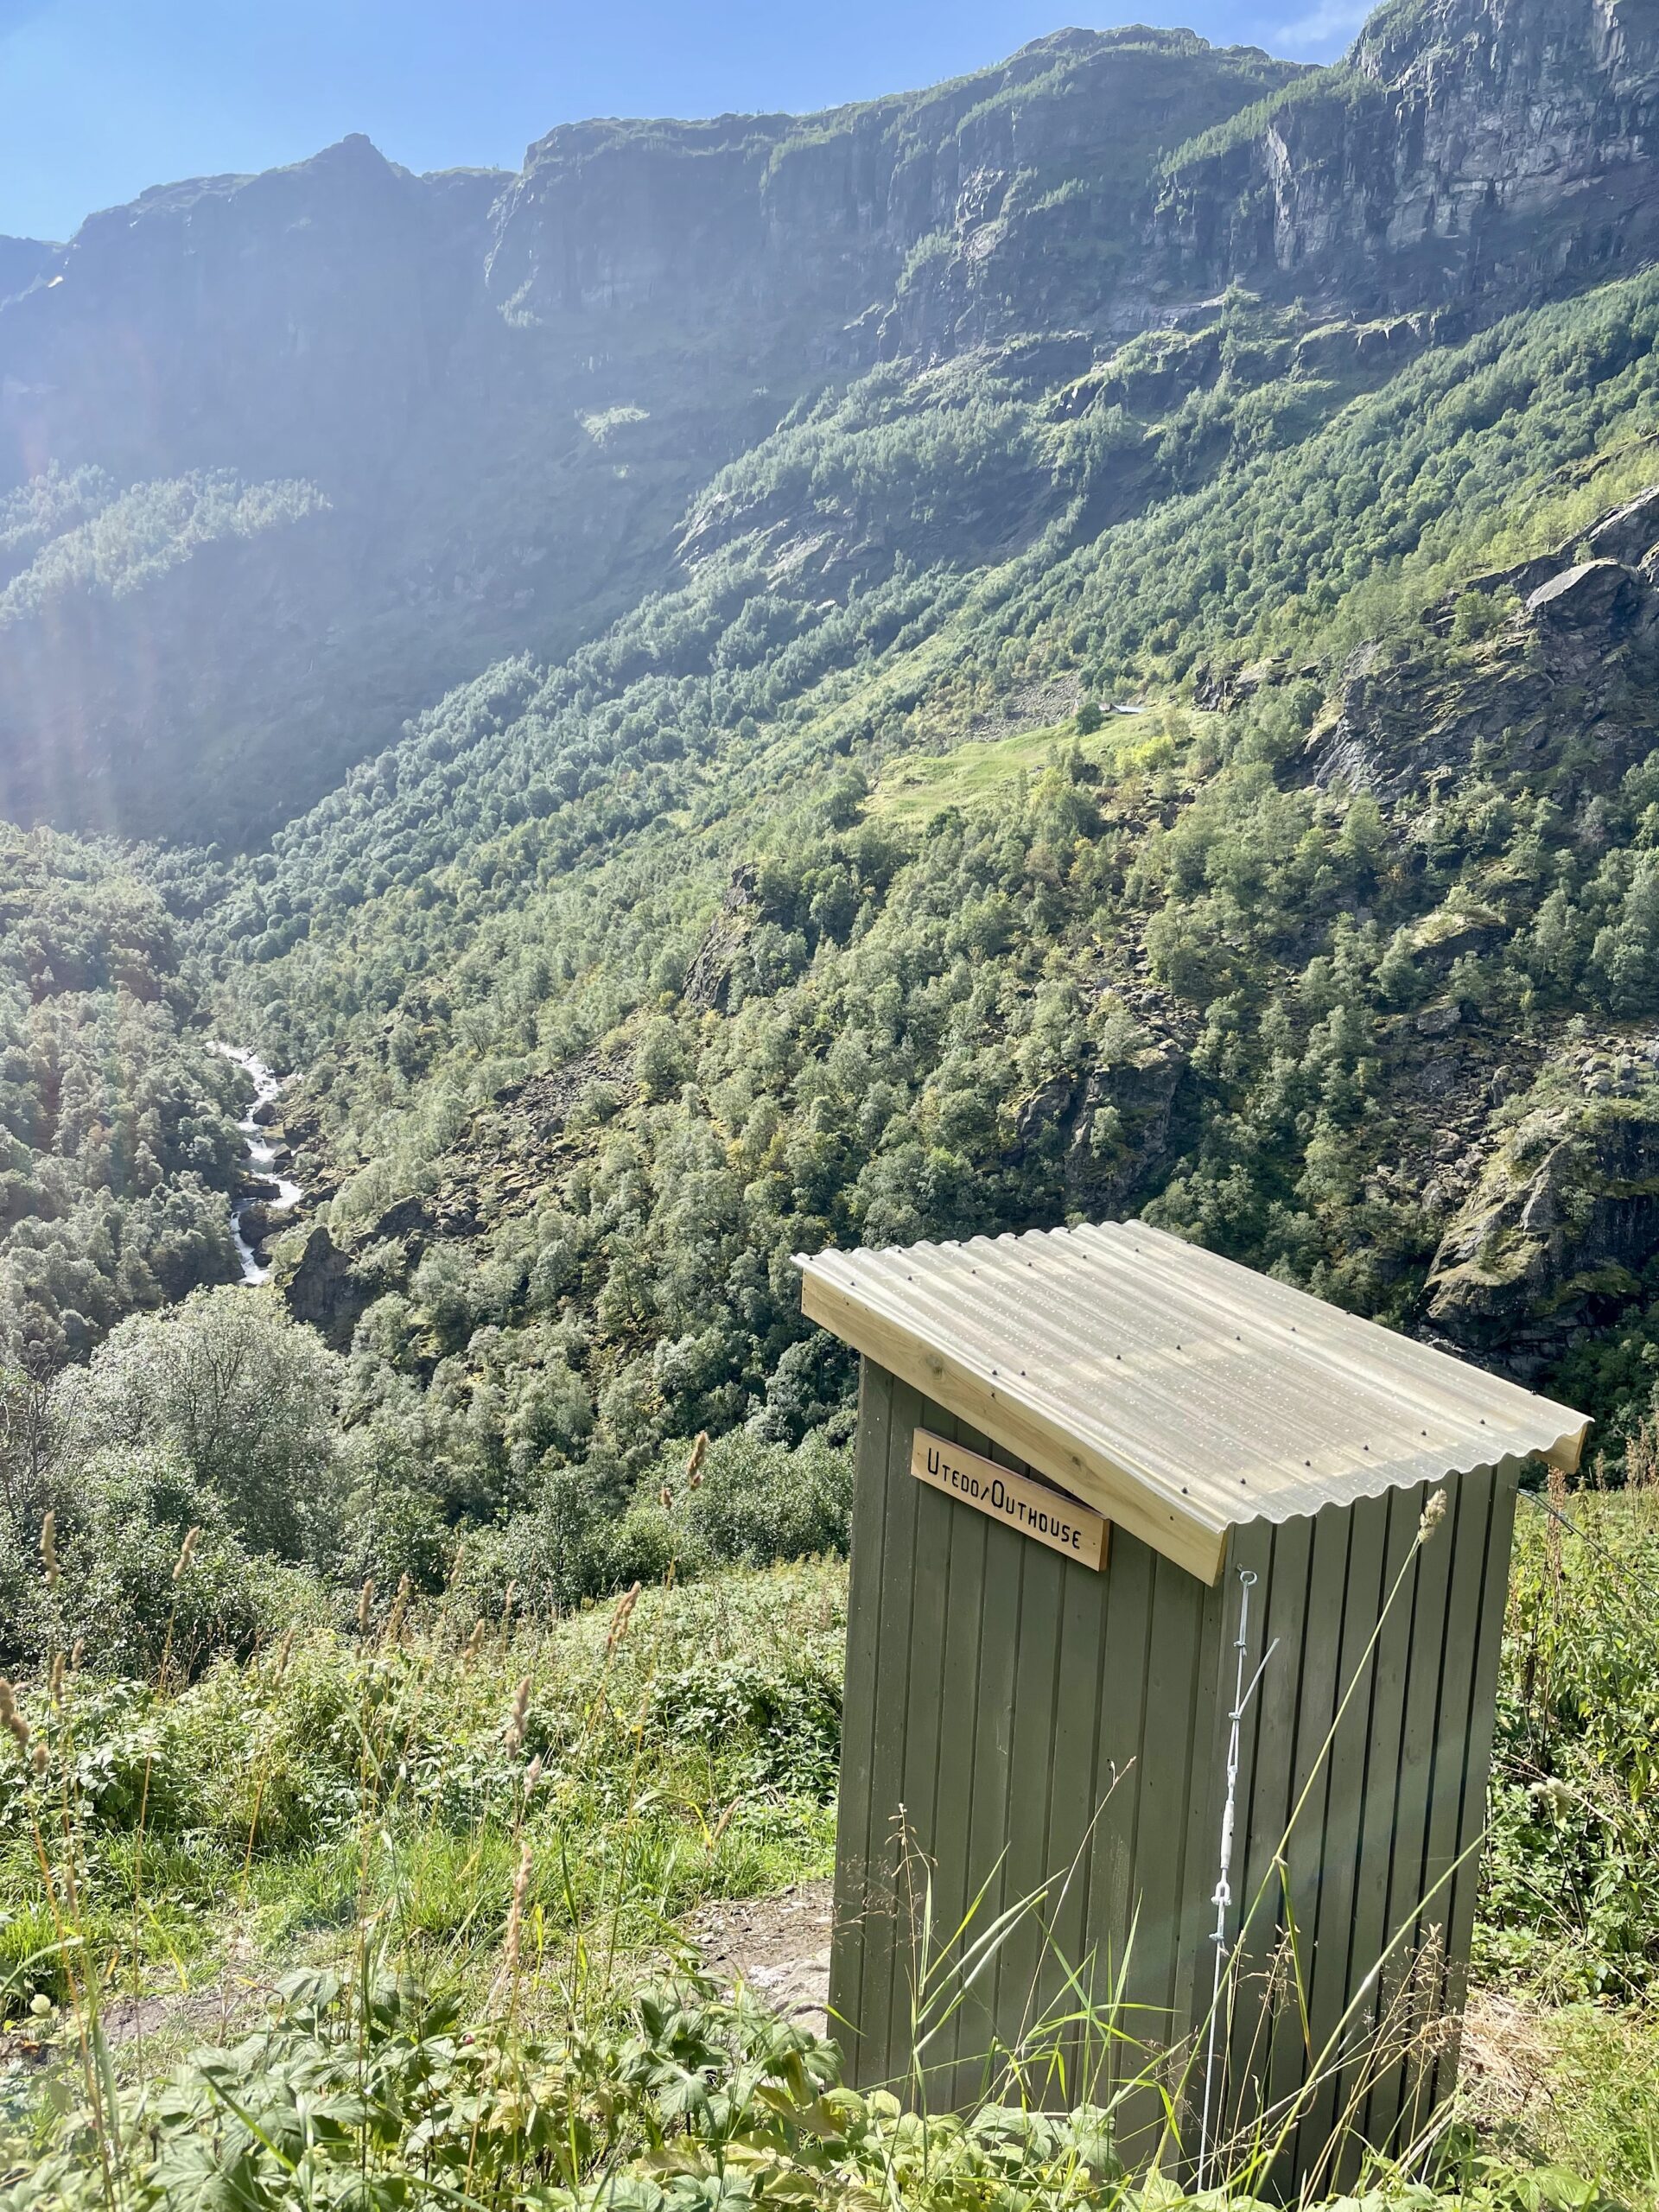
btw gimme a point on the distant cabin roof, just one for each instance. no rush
(1178, 1393)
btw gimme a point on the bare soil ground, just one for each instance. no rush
(778, 1947)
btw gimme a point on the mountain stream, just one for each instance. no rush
(261, 1158)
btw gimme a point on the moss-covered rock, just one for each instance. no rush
(1560, 1229)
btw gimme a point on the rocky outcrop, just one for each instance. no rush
(708, 975)
(1629, 531)
(1466, 146)
(320, 1285)
(1579, 657)
(1564, 1219)
(1111, 1128)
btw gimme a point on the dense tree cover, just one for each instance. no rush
(117, 1143)
(74, 531)
(620, 982)
(304, 1474)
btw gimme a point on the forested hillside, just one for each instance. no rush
(1139, 696)
(1274, 862)
(116, 1143)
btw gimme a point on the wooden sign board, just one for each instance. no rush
(1048, 1516)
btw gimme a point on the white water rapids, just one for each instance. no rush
(262, 1155)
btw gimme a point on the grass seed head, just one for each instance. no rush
(516, 1913)
(49, 1548)
(694, 1464)
(515, 1737)
(622, 1617)
(186, 1552)
(1433, 1514)
(10, 1719)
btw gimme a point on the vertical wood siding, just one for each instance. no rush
(1031, 1729)
(1019, 1727)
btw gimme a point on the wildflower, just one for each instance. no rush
(1551, 1797)
(49, 1549)
(186, 1552)
(515, 1737)
(1433, 1514)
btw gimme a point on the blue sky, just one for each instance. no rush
(102, 97)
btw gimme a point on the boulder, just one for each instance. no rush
(1594, 595)
(1626, 534)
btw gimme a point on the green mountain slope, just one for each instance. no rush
(777, 917)
(1118, 725)
(117, 1149)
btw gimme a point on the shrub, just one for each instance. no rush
(760, 1502)
(243, 1394)
(1570, 1896)
(120, 1599)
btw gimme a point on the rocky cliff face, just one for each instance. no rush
(1468, 148)
(22, 260)
(466, 412)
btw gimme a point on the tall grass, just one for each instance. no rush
(394, 1917)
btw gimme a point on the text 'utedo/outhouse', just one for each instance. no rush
(1112, 1492)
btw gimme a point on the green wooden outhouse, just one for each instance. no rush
(1112, 1492)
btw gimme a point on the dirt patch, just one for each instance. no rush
(778, 1947)
(161, 2027)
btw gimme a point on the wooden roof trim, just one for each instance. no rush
(1019, 1427)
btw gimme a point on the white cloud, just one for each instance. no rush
(1324, 30)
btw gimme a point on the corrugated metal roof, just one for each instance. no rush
(1177, 1392)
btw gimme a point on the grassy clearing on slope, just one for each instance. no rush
(915, 787)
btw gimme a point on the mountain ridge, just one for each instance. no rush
(418, 406)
